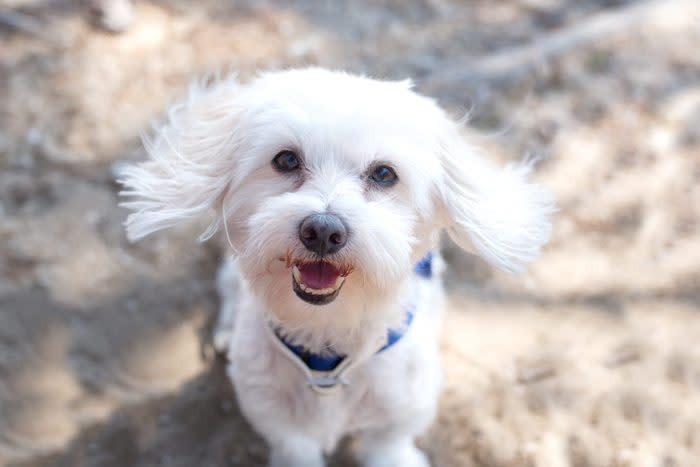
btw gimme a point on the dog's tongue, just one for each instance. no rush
(318, 275)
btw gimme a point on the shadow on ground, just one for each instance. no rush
(198, 425)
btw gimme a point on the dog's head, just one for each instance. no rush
(329, 187)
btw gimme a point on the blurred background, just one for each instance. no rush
(592, 358)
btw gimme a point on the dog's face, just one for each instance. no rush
(329, 187)
(334, 197)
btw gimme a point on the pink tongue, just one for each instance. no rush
(318, 275)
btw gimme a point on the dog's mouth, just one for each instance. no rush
(317, 282)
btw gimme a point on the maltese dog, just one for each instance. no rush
(331, 190)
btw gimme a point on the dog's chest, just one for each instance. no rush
(386, 389)
(271, 389)
(376, 392)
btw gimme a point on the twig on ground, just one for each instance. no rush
(21, 22)
(514, 63)
(29, 25)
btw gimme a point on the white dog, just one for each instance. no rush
(331, 190)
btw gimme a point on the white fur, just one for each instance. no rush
(215, 152)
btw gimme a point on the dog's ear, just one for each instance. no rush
(190, 165)
(495, 212)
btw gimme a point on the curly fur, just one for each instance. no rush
(214, 153)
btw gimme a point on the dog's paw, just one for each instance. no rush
(405, 455)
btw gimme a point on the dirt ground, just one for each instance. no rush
(592, 358)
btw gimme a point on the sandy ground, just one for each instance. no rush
(590, 359)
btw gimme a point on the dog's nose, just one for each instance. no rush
(324, 234)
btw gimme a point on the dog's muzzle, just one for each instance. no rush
(319, 282)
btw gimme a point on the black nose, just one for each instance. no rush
(324, 234)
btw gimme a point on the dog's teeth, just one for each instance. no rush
(307, 289)
(326, 291)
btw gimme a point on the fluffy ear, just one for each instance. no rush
(495, 212)
(190, 164)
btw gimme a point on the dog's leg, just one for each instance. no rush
(296, 451)
(393, 446)
(380, 449)
(228, 283)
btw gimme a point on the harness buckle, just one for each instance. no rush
(326, 382)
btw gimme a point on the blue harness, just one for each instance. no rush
(329, 361)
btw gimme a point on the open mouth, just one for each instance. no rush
(317, 282)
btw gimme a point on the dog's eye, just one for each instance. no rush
(286, 161)
(384, 175)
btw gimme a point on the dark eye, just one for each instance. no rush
(286, 161)
(383, 175)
